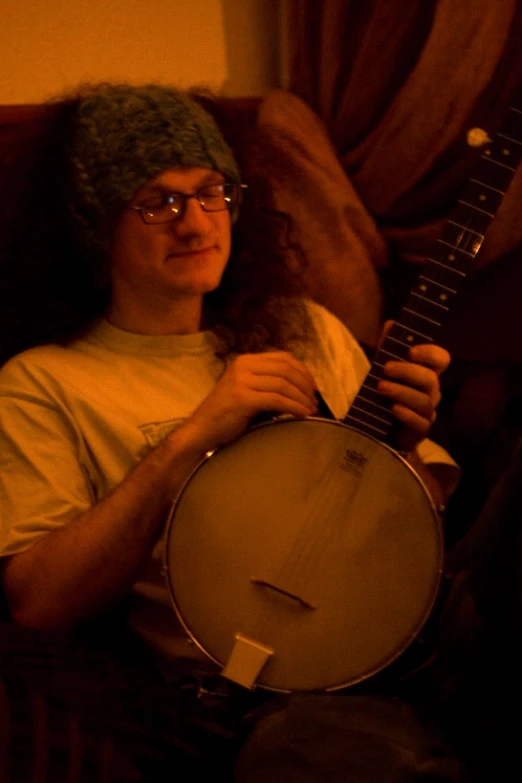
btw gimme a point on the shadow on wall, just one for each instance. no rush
(253, 46)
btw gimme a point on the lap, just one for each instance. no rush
(118, 721)
(345, 738)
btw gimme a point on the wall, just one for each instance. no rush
(47, 47)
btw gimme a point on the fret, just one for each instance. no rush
(427, 294)
(465, 228)
(439, 285)
(474, 218)
(495, 174)
(504, 147)
(381, 432)
(455, 247)
(372, 402)
(374, 379)
(389, 337)
(393, 355)
(487, 156)
(380, 403)
(384, 419)
(364, 415)
(477, 209)
(428, 301)
(367, 413)
(508, 138)
(504, 153)
(489, 187)
(450, 263)
(400, 350)
(434, 307)
(414, 334)
(446, 271)
(419, 315)
(425, 302)
(512, 125)
(418, 338)
(460, 238)
(364, 391)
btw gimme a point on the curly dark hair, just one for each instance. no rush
(52, 292)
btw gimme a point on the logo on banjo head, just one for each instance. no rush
(353, 462)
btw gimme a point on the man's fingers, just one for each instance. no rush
(283, 389)
(418, 401)
(432, 356)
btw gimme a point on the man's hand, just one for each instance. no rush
(253, 383)
(414, 389)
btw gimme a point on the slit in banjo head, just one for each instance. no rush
(315, 541)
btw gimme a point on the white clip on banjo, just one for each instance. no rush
(307, 555)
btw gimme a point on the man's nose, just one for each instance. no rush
(194, 221)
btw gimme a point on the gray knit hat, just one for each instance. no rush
(125, 135)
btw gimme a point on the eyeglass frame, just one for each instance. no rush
(140, 208)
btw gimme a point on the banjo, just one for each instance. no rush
(307, 555)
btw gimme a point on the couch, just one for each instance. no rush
(357, 269)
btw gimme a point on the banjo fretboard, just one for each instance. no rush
(443, 272)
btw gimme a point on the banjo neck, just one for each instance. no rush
(308, 577)
(444, 271)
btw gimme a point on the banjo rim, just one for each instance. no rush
(430, 603)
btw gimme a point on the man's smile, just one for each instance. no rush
(196, 251)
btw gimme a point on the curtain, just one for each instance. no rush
(397, 84)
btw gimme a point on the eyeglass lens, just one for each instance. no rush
(212, 198)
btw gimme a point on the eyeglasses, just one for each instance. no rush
(172, 206)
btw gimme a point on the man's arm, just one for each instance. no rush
(88, 565)
(91, 563)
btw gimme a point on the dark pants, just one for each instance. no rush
(72, 714)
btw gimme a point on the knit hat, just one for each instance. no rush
(125, 135)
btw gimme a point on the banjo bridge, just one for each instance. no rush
(263, 583)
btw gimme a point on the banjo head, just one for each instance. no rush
(313, 539)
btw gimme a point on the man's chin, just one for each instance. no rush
(196, 287)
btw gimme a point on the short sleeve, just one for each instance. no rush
(43, 484)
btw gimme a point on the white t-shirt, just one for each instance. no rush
(75, 420)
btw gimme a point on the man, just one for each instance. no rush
(101, 428)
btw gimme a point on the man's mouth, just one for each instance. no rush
(192, 251)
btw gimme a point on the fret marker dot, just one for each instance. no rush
(410, 338)
(423, 287)
(451, 257)
(506, 152)
(443, 297)
(487, 152)
(482, 197)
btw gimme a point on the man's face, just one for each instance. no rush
(180, 260)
